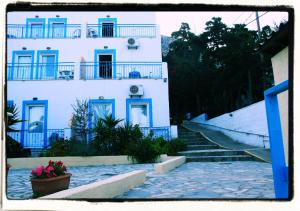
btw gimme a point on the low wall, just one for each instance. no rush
(107, 188)
(247, 125)
(169, 164)
(73, 161)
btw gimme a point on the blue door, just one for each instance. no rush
(48, 67)
(58, 30)
(36, 30)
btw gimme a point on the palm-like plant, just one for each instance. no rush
(12, 118)
(110, 122)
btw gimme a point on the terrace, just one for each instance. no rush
(88, 71)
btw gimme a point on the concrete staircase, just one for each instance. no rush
(199, 149)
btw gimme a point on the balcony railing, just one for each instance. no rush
(120, 70)
(37, 140)
(23, 31)
(120, 30)
(41, 71)
(30, 139)
(157, 132)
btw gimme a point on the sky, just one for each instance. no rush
(171, 21)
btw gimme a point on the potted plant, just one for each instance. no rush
(50, 179)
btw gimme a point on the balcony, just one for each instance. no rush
(120, 30)
(41, 71)
(23, 31)
(120, 70)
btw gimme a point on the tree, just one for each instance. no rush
(218, 71)
(79, 122)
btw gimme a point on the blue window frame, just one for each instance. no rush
(57, 27)
(93, 102)
(10, 103)
(40, 129)
(47, 64)
(107, 27)
(35, 27)
(139, 102)
(22, 65)
(104, 69)
(280, 170)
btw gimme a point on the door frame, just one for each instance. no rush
(25, 105)
(98, 52)
(22, 53)
(147, 101)
(40, 53)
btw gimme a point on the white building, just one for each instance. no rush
(111, 59)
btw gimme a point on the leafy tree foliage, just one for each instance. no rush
(217, 71)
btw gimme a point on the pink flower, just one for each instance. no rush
(50, 162)
(59, 163)
(39, 170)
(49, 169)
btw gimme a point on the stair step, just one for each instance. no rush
(213, 152)
(202, 147)
(220, 158)
(197, 143)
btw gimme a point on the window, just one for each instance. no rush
(34, 128)
(139, 115)
(105, 63)
(35, 27)
(99, 109)
(139, 112)
(107, 29)
(36, 118)
(47, 64)
(57, 27)
(22, 65)
(105, 66)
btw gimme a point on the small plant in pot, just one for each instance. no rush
(50, 179)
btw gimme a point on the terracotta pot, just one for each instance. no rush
(50, 185)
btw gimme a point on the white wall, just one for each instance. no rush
(280, 64)
(85, 17)
(250, 119)
(61, 94)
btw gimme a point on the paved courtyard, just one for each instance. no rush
(209, 180)
(195, 180)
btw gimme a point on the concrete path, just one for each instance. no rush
(227, 142)
(209, 180)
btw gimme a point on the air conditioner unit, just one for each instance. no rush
(132, 43)
(136, 90)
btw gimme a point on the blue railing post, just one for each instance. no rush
(280, 170)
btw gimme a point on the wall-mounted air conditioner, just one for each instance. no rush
(132, 43)
(136, 90)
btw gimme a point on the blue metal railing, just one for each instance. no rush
(120, 30)
(280, 170)
(157, 132)
(132, 70)
(40, 71)
(22, 31)
(35, 139)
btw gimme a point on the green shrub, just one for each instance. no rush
(127, 134)
(144, 151)
(15, 150)
(71, 147)
(174, 146)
